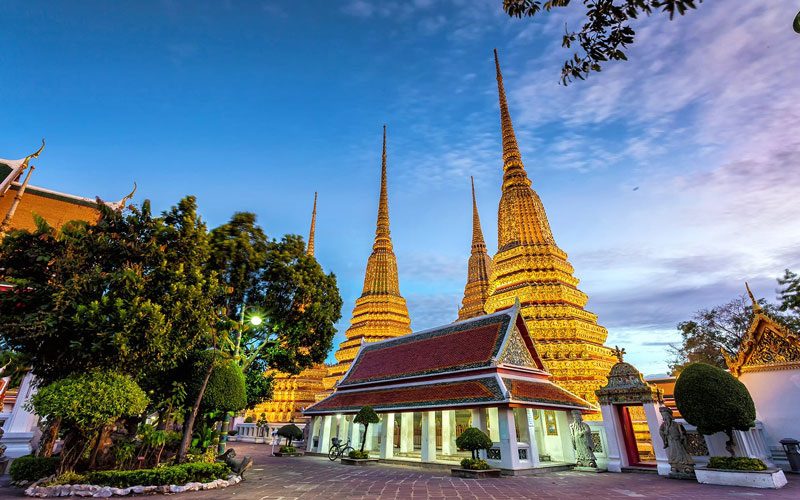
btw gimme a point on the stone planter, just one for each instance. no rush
(475, 474)
(281, 454)
(770, 478)
(359, 461)
(88, 490)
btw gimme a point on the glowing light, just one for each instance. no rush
(256, 320)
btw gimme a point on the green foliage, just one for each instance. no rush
(198, 456)
(200, 472)
(736, 463)
(473, 440)
(474, 464)
(68, 477)
(789, 296)
(290, 432)
(358, 455)
(258, 385)
(31, 468)
(606, 31)
(226, 389)
(287, 449)
(366, 415)
(15, 366)
(90, 401)
(249, 419)
(714, 401)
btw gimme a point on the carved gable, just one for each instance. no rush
(768, 345)
(516, 352)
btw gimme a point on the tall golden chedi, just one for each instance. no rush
(476, 290)
(381, 312)
(529, 265)
(292, 393)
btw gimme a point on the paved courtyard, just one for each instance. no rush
(317, 477)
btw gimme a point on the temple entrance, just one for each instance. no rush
(636, 436)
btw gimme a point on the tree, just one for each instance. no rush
(365, 416)
(258, 386)
(712, 330)
(86, 405)
(473, 439)
(290, 432)
(789, 297)
(606, 31)
(714, 401)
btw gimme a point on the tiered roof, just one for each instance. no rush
(485, 361)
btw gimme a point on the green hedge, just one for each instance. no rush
(196, 472)
(474, 464)
(31, 468)
(736, 463)
(358, 455)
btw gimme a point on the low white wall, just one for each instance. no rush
(777, 398)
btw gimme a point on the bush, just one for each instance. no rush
(366, 415)
(90, 400)
(474, 464)
(199, 456)
(198, 472)
(68, 477)
(288, 449)
(473, 440)
(714, 401)
(290, 432)
(226, 390)
(358, 455)
(736, 463)
(31, 468)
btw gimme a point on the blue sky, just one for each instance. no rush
(256, 105)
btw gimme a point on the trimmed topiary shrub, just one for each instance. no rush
(199, 472)
(714, 401)
(736, 463)
(287, 449)
(31, 468)
(366, 415)
(473, 439)
(226, 390)
(290, 432)
(474, 464)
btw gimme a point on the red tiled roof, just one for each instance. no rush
(484, 390)
(543, 392)
(457, 346)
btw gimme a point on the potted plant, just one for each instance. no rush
(365, 416)
(474, 440)
(714, 401)
(289, 432)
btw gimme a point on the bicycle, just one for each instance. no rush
(338, 449)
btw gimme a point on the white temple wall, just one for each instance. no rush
(777, 398)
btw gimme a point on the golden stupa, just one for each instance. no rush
(381, 312)
(529, 265)
(292, 393)
(476, 290)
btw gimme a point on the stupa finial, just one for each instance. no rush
(382, 234)
(511, 154)
(310, 250)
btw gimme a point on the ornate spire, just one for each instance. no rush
(17, 199)
(756, 305)
(511, 154)
(477, 288)
(382, 234)
(310, 250)
(381, 311)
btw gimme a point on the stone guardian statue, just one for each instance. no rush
(582, 441)
(674, 436)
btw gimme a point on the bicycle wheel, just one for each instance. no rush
(333, 453)
(346, 450)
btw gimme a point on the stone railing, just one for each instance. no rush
(250, 433)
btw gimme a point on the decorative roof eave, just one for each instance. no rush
(759, 326)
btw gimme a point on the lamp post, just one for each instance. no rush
(254, 320)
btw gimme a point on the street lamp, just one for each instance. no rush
(254, 319)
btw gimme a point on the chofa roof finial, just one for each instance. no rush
(756, 305)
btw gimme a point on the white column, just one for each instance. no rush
(654, 420)
(616, 444)
(563, 419)
(20, 427)
(325, 434)
(310, 443)
(387, 436)
(449, 432)
(406, 432)
(428, 445)
(494, 430)
(478, 420)
(533, 450)
(507, 432)
(356, 434)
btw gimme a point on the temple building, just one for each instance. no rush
(19, 200)
(380, 312)
(428, 387)
(476, 291)
(529, 265)
(292, 393)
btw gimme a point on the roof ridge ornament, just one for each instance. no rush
(756, 305)
(34, 155)
(619, 353)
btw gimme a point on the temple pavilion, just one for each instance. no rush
(380, 312)
(429, 386)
